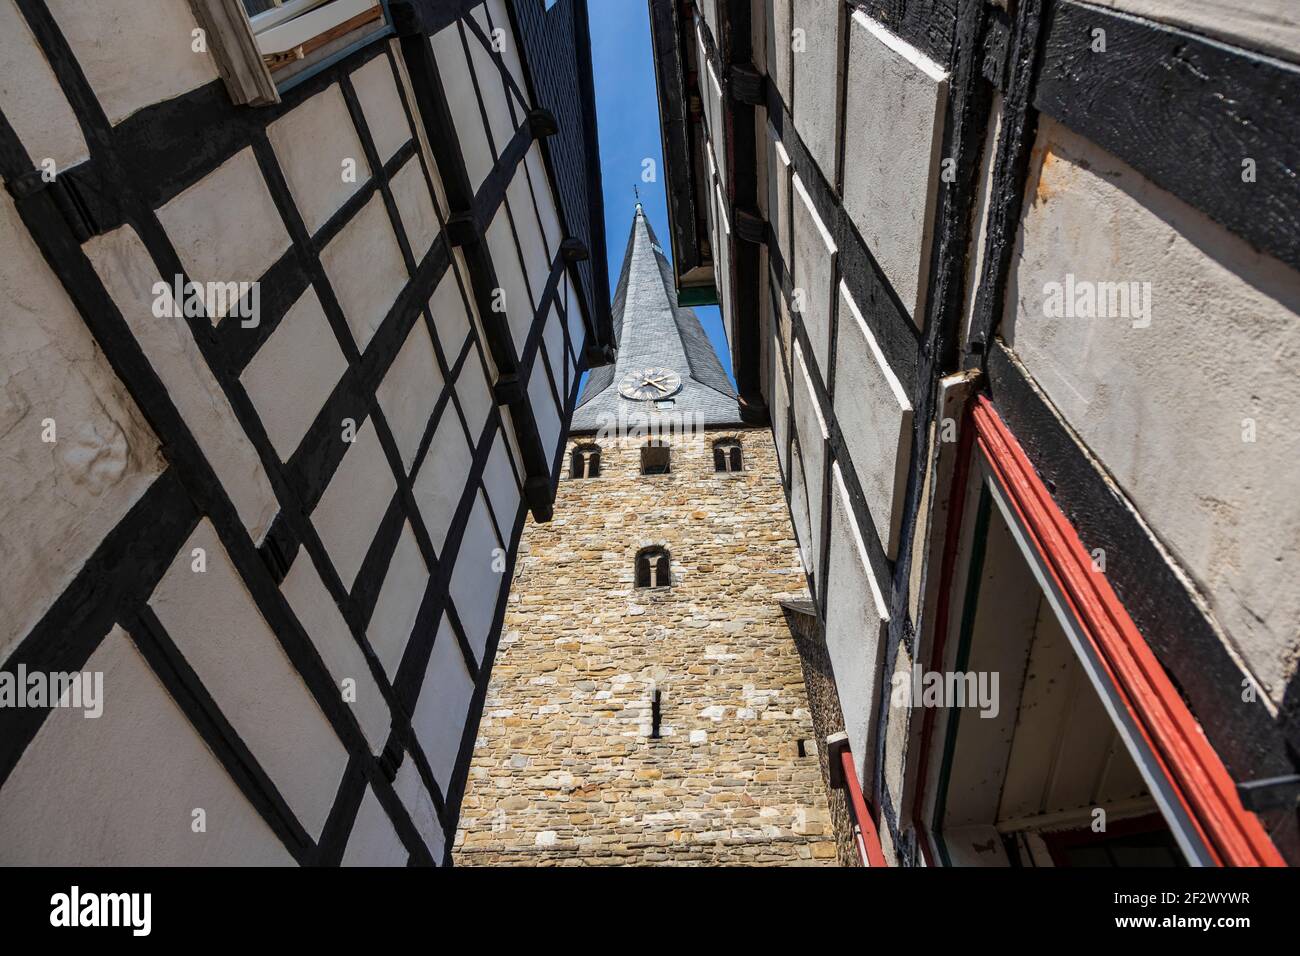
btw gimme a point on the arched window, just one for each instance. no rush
(653, 568)
(585, 462)
(655, 459)
(726, 455)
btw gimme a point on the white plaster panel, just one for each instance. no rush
(410, 390)
(475, 396)
(1162, 397)
(892, 155)
(415, 208)
(711, 91)
(31, 98)
(329, 632)
(129, 783)
(440, 483)
(799, 512)
(61, 498)
(294, 372)
(980, 218)
(779, 50)
(462, 101)
(443, 706)
(312, 142)
(546, 204)
(399, 602)
(1272, 26)
(404, 81)
(349, 512)
(373, 840)
(225, 227)
(134, 54)
(779, 171)
(475, 581)
(502, 487)
(553, 338)
(492, 88)
(812, 445)
(450, 319)
(510, 48)
(536, 259)
(129, 275)
(512, 291)
(410, 789)
(365, 268)
(856, 623)
(381, 105)
(545, 411)
(815, 257)
(780, 406)
(573, 315)
(875, 418)
(218, 629)
(815, 57)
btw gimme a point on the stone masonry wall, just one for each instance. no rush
(565, 770)
(827, 717)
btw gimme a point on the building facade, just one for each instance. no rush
(1016, 286)
(648, 706)
(296, 296)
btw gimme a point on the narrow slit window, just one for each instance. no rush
(656, 715)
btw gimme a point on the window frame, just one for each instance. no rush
(732, 456)
(1194, 789)
(668, 459)
(652, 555)
(233, 40)
(594, 454)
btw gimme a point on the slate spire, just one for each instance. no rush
(654, 332)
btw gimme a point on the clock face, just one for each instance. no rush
(646, 384)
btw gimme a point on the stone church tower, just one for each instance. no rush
(647, 704)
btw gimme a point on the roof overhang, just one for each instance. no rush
(676, 80)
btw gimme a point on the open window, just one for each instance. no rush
(653, 568)
(1055, 738)
(262, 46)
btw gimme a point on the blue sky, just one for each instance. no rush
(627, 112)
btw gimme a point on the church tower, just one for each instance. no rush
(647, 704)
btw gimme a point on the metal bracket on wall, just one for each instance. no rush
(1273, 793)
(746, 84)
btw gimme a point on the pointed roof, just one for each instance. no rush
(652, 330)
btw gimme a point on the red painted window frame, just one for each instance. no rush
(868, 839)
(1197, 776)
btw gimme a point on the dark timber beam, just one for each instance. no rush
(466, 231)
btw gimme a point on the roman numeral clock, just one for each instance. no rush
(647, 384)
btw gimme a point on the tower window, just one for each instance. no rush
(726, 455)
(656, 715)
(585, 462)
(653, 568)
(655, 459)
